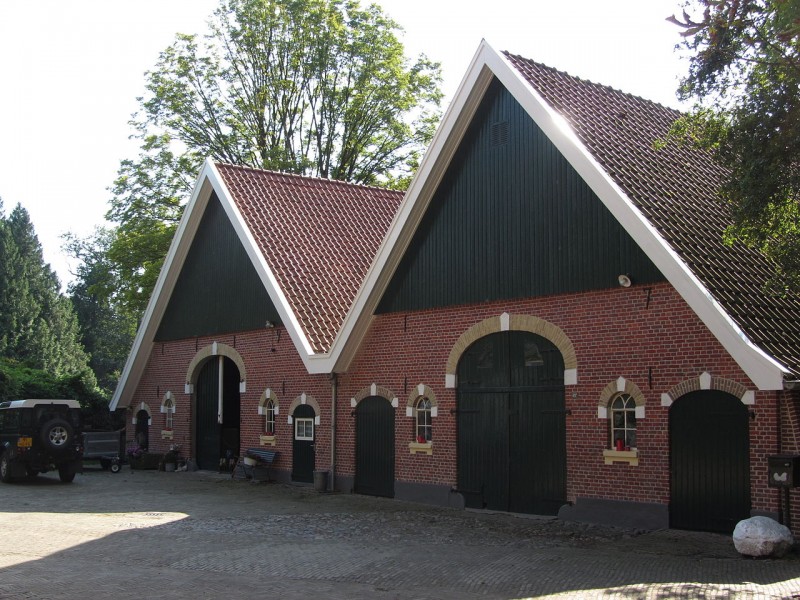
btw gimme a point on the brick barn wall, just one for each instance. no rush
(270, 360)
(649, 336)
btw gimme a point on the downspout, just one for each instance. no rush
(220, 375)
(334, 391)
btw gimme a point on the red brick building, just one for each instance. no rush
(547, 322)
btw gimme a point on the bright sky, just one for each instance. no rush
(71, 72)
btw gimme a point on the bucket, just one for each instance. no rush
(321, 481)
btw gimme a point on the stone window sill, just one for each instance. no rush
(417, 448)
(267, 440)
(630, 457)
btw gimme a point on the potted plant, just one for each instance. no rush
(170, 461)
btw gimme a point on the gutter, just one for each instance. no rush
(334, 392)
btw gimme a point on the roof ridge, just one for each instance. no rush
(308, 178)
(590, 82)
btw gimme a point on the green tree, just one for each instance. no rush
(106, 331)
(316, 87)
(37, 324)
(745, 77)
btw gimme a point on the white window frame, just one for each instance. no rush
(421, 411)
(269, 417)
(629, 406)
(305, 422)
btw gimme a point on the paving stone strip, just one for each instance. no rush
(148, 534)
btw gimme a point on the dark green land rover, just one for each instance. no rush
(37, 436)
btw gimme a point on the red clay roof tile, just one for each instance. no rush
(676, 189)
(318, 237)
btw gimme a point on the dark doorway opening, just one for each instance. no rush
(512, 424)
(217, 443)
(375, 447)
(709, 434)
(303, 446)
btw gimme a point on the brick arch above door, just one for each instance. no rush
(215, 349)
(507, 322)
(707, 381)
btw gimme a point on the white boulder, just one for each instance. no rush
(762, 536)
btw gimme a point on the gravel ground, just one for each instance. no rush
(142, 534)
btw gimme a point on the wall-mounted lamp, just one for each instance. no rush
(625, 280)
(269, 324)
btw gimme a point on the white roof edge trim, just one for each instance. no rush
(441, 136)
(262, 268)
(145, 333)
(764, 371)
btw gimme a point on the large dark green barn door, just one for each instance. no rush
(511, 424)
(303, 453)
(375, 447)
(215, 441)
(709, 462)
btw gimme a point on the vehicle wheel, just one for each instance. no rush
(5, 469)
(66, 472)
(115, 467)
(56, 435)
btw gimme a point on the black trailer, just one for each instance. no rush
(105, 446)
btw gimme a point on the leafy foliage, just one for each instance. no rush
(745, 75)
(37, 324)
(18, 380)
(106, 331)
(316, 87)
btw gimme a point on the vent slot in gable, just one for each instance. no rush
(499, 136)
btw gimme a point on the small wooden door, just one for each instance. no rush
(375, 447)
(303, 447)
(709, 462)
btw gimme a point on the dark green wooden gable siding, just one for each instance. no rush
(511, 219)
(218, 289)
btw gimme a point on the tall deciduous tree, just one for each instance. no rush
(105, 331)
(316, 87)
(37, 324)
(745, 74)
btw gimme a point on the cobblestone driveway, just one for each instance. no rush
(145, 534)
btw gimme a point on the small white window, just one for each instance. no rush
(270, 417)
(424, 424)
(168, 408)
(304, 429)
(623, 422)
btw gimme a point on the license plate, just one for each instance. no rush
(25, 442)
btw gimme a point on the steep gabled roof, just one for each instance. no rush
(318, 238)
(665, 200)
(311, 242)
(675, 188)
(325, 251)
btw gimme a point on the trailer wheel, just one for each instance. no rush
(115, 467)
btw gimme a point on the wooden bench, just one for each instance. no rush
(260, 456)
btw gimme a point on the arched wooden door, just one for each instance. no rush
(143, 429)
(375, 447)
(511, 424)
(215, 441)
(303, 446)
(709, 462)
